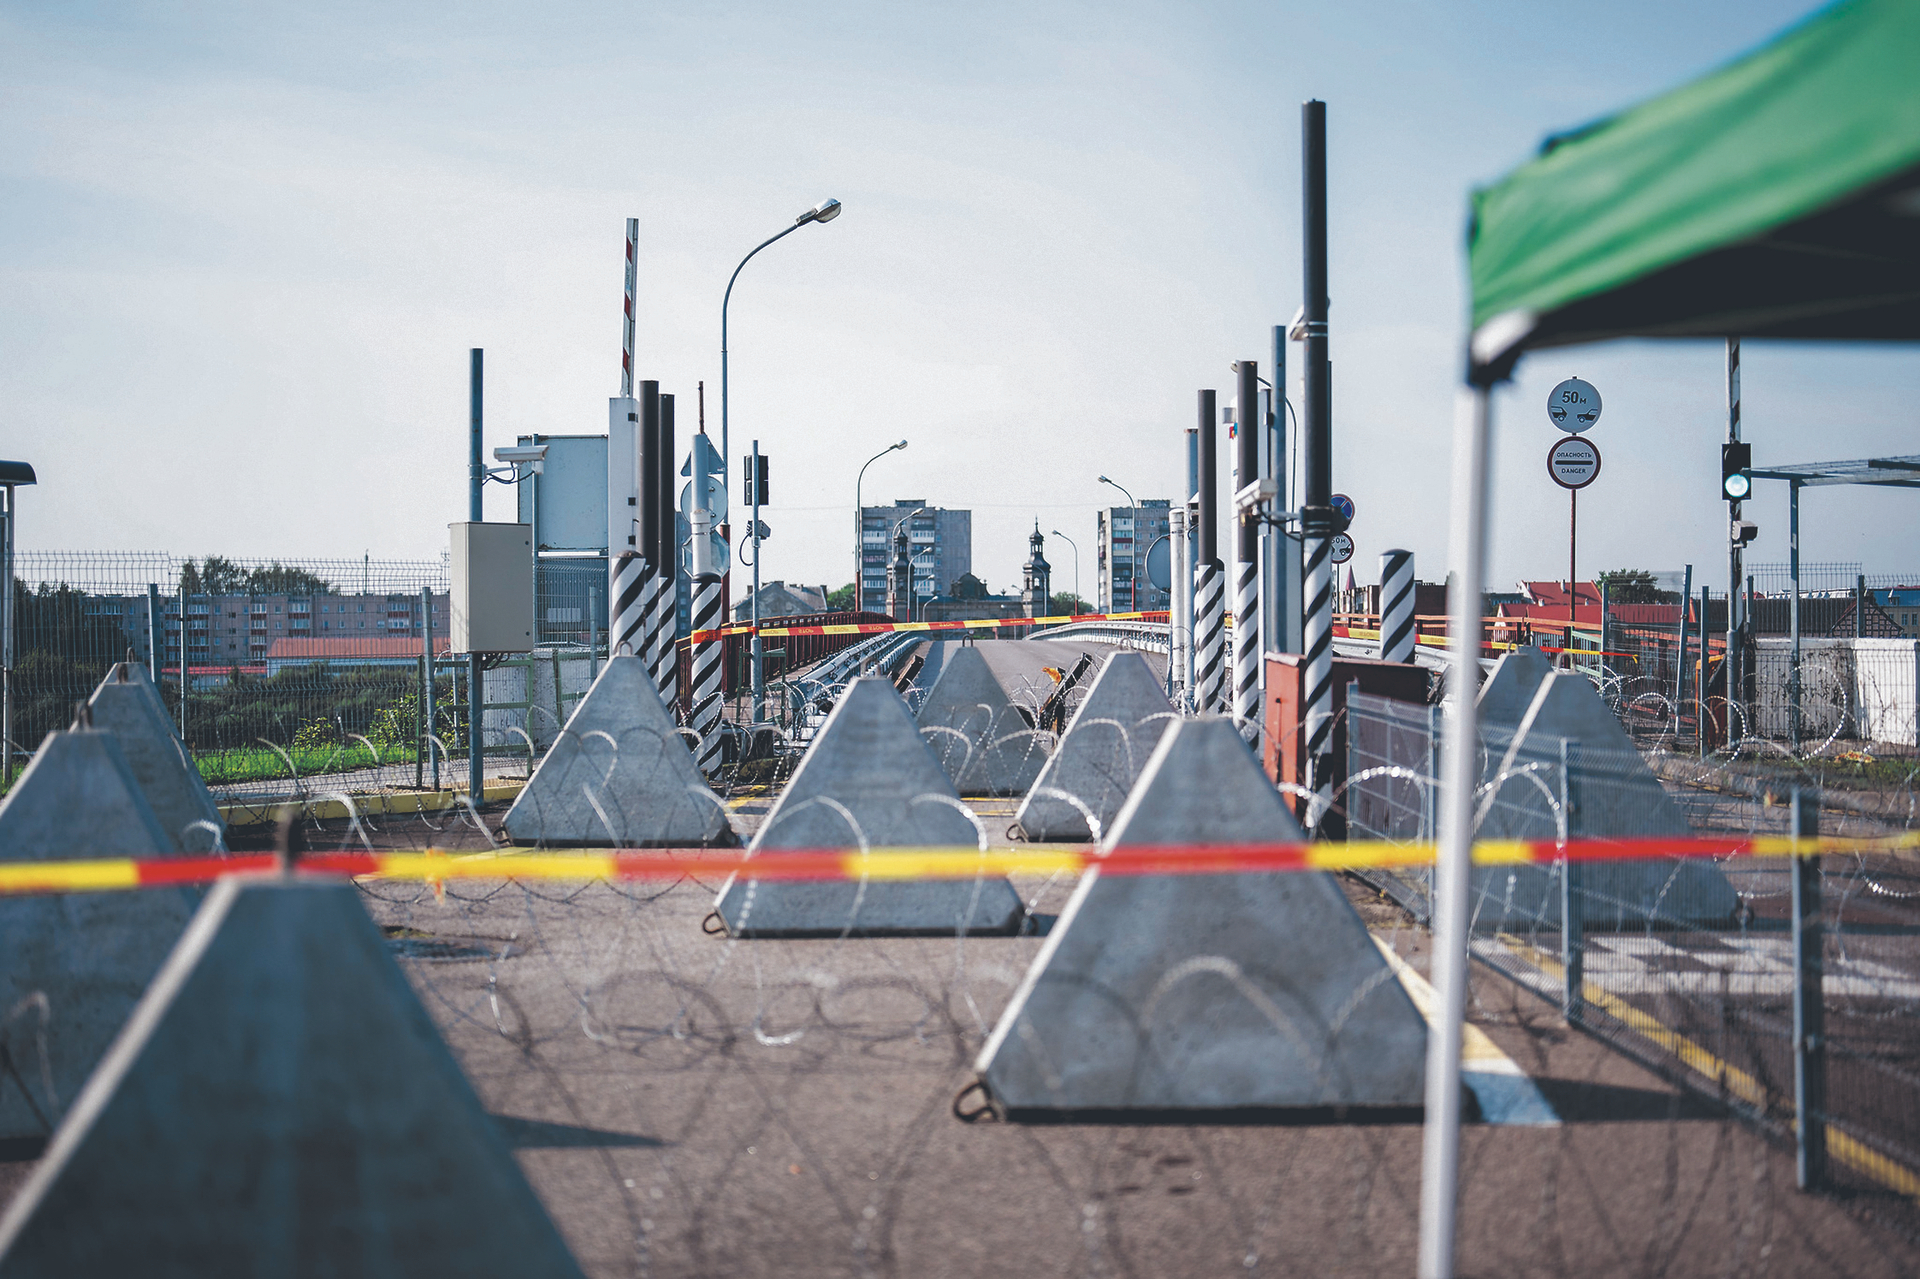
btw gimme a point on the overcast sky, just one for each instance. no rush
(244, 252)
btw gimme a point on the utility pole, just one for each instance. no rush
(1733, 666)
(1316, 453)
(756, 482)
(476, 677)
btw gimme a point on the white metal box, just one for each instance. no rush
(492, 588)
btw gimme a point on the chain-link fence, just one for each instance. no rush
(273, 669)
(1692, 967)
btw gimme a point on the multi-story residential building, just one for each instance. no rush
(940, 545)
(238, 630)
(1122, 537)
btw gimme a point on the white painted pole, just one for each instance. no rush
(1180, 607)
(1460, 756)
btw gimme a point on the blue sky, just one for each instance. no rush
(244, 252)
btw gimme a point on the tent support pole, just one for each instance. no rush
(1467, 544)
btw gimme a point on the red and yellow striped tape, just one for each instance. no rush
(74, 876)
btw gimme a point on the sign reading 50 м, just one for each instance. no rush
(1574, 405)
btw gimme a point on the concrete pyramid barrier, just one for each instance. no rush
(280, 1103)
(869, 761)
(992, 750)
(1511, 684)
(127, 705)
(1112, 736)
(73, 965)
(1616, 794)
(619, 774)
(1205, 995)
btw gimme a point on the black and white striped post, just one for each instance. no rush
(708, 498)
(1246, 554)
(1396, 606)
(1316, 455)
(627, 623)
(1209, 579)
(628, 564)
(708, 652)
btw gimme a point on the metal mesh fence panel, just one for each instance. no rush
(1689, 966)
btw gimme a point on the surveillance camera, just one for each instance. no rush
(531, 456)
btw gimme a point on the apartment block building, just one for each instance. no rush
(238, 630)
(1122, 537)
(939, 541)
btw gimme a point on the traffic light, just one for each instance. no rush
(753, 474)
(1736, 459)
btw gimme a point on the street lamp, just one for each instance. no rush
(1076, 569)
(825, 211)
(897, 525)
(1133, 572)
(860, 528)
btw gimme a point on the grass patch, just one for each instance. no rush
(258, 763)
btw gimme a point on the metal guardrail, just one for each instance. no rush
(1152, 637)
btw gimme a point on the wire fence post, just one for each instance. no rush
(476, 717)
(1809, 1021)
(1429, 795)
(184, 681)
(1700, 682)
(423, 745)
(1573, 942)
(1680, 665)
(153, 632)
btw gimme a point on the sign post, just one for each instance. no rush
(1573, 462)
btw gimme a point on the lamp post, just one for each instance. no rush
(1076, 569)
(1133, 572)
(825, 211)
(860, 529)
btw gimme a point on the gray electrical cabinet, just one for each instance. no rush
(492, 588)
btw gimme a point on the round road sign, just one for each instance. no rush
(1341, 548)
(1160, 564)
(1573, 462)
(1574, 405)
(1343, 504)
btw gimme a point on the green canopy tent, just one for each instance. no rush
(1776, 197)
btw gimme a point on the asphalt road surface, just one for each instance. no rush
(1020, 665)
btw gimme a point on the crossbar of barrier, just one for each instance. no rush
(815, 864)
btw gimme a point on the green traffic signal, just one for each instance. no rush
(1736, 459)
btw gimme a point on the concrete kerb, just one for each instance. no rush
(619, 774)
(1224, 996)
(279, 1103)
(990, 749)
(1105, 748)
(72, 966)
(871, 779)
(127, 705)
